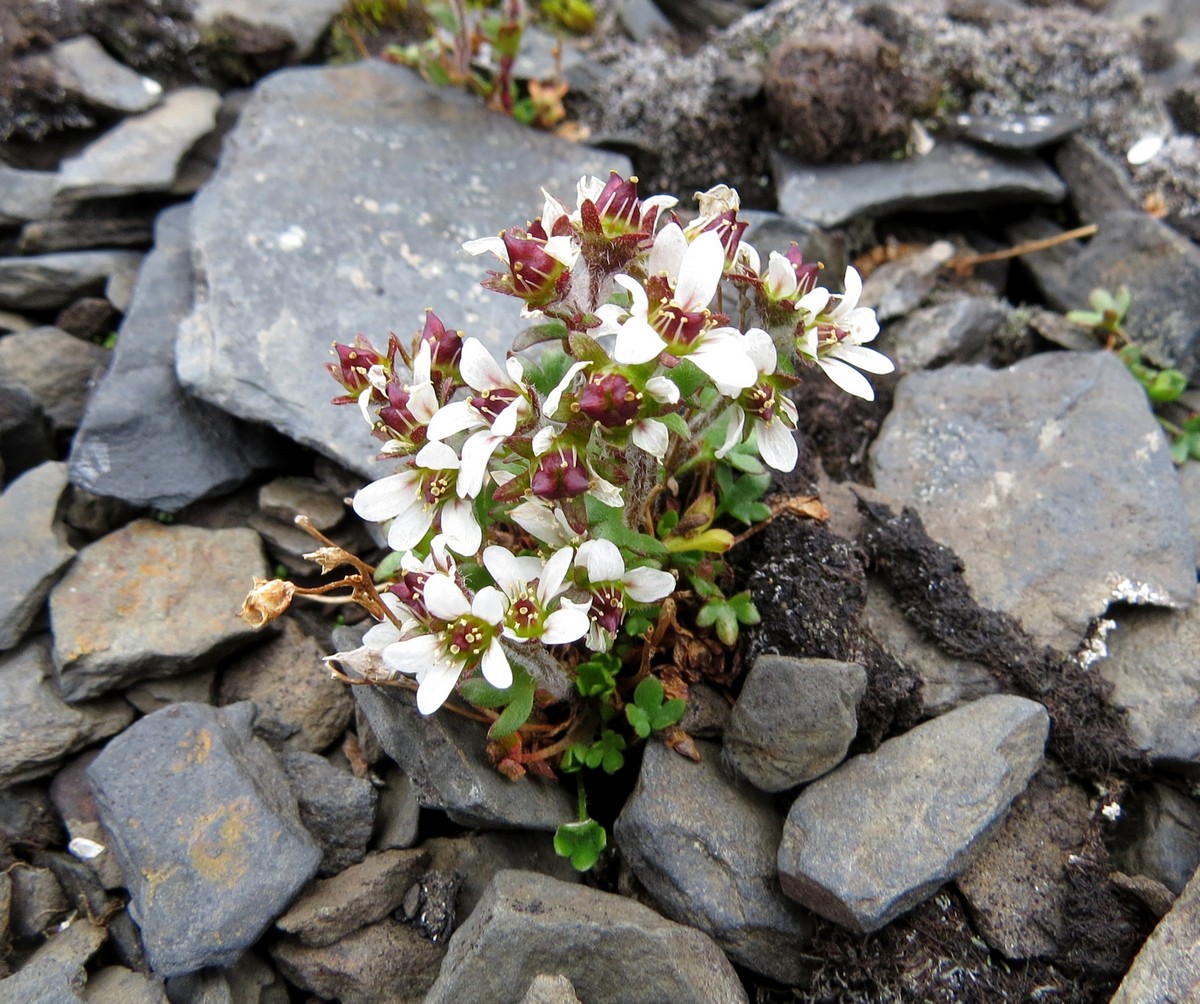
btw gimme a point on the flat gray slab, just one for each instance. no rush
(881, 833)
(142, 439)
(51, 281)
(206, 830)
(304, 20)
(1167, 969)
(82, 65)
(1051, 480)
(952, 177)
(350, 204)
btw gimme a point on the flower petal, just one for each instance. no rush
(848, 378)
(550, 581)
(849, 300)
(485, 245)
(511, 573)
(383, 499)
(652, 436)
(565, 625)
(495, 666)
(647, 585)
(700, 272)
(456, 416)
(479, 369)
(550, 405)
(663, 391)
(477, 451)
(777, 445)
(413, 656)
(437, 457)
(444, 599)
(637, 342)
(670, 245)
(461, 528)
(761, 350)
(722, 355)
(863, 358)
(606, 492)
(410, 526)
(733, 435)
(436, 686)
(602, 560)
(489, 604)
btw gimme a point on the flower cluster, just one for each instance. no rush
(523, 505)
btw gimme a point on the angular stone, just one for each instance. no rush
(898, 287)
(1097, 184)
(150, 695)
(332, 908)
(1167, 969)
(51, 281)
(286, 498)
(206, 829)
(37, 729)
(142, 153)
(1062, 457)
(952, 177)
(142, 439)
(527, 924)
(387, 961)
(705, 850)
(1018, 132)
(793, 721)
(957, 331)
(1161, 269)
(90, 318)
(1154, 677)
(118, 985)
(27, 820)
(946, 682)
(25, 434)
(251, 980)
(300, 706)
(77, 232)
(151, 600)
(1161, 838)
(37, 901)
(399, 814)
(54, 974)
(337, 808)
(34, 547)
(1017, 888)
(445, 757)
(550, 990)
(61, 389)
(83, 67)
(304, 21)
(885, 830)
(25, 195)
(270, 304)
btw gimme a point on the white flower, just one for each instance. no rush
(500, 402)
(610, 584)
(470, 637)
(529, 614)
(413, 499)
(852, 326)
(544, 521)
(773, 413)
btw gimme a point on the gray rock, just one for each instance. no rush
(1153, 675)
(61, 389)
(705, 850)
(118, 985)
(83, 67)
(72, 796)
(899, 287)
(946, 682)
(1063, 459)
(337, 808)
(957, 331)
(6, 890)
(198, 687)
(332, 908)
(270, 304)
(1167, 969)
(1017, 887)
(51, 281)
(250, 980)
(794, 720)
(1018, 132)
(478, 857)
(399, 812)
(387, 961)
(300, 706)
(643, 20)
(38, 729)
(950, 178)
(286, 498)
(142, 439)
(304, 21)
(1189, 484)
(1160, 267)
(54, 974)
(882, 832)
(25, 195)
(445, 757)
(769, 232)
(206, 828)
(25, 434)
(142, 153)
(34, 547)
(1161, 839)
(707, 715)
(27, 820)
(1097, 183)
(610, 948)
(37, 901)
(151, 600)
(90, 229)
(545, 989)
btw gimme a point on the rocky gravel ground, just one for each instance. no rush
(961, 764)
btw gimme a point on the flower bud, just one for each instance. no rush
(618, 205)
(444, 343)
(610, 399)
(266, 601)
(560, 475)
(534, 272)
(354, 361)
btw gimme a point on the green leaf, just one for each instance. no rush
(607, 752)
(582, 842)
(598, 676)
(676, 424)
(711, 541)
(649, 712)
(538, 333)
(668, 522)
(638, 720)
(608, 523)
(574, 759)
(437, 74)
(548, 370)
(740, 496)
(386, 570)
(476, 690)
(585, 347)
(688, 377)
(518, 711)
(1166, 386)
(649, 693)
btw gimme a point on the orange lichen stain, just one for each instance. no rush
(217, 844)
(154, 878)
(196, 744)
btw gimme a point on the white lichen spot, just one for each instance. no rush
(1095, 645)
(1152, 442)
(1049, 433)
(1126, 590)
(260, 177)
(370, 205)
(1144, 150)
(424, 219)
(354, 275)
(85, 849)
(292, 239)
(1111, 811)
(151, 86)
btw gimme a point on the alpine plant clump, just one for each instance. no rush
(557, 521)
